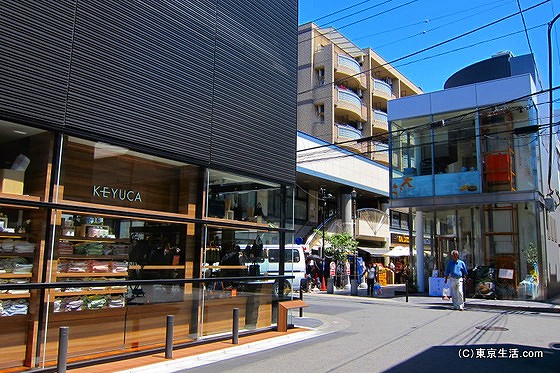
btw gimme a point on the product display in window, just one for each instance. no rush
(17, 260)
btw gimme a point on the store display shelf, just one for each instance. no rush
(88, 292)
(92, 239)
(85, 257)
(14, 296)
(91, 274)
(15, 275)
(155, 267)
(20, 197)
(15, 255)
(13, 235)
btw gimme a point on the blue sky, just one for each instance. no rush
(396, 28)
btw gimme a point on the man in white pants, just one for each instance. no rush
(456, 269)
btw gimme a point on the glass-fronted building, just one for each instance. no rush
(471, 163)
(138, 176)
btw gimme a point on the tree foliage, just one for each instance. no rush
(341, 244)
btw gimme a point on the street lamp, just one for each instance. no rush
(354, 282)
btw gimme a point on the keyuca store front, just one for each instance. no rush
(109, 242)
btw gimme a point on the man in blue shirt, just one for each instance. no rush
(456, 269)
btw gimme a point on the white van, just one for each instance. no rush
(294, 264)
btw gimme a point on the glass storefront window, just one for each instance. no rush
(124, 249)
(22, 241)
(25, 160)
(99, 173)
(244, 252)
(235, 197)
(112, 248)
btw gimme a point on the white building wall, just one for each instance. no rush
(336, 164)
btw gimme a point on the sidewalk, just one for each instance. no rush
(397, 293)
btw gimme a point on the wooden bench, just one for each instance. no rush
(283, 308)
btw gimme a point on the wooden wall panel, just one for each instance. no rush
(218, 314)
(90, 332)
(158, 184)
(146, 324)
(13, 340)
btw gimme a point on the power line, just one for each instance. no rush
(453, 38)
(340, 11)
(529, 42)
(334, 30)
(427, 20)
(468, 46)
(430, 143)
(436, 28)
(426, 124)
(377, 14)
(432, 46)
(363, 10)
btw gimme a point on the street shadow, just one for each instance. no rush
(484, 357)
(439, 307)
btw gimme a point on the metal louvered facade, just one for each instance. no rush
(208, 82)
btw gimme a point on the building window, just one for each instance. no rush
(399, 220)
(235, 197)
(25, 160)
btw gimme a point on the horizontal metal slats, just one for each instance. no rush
(143, 71)
(255, 91)
(35, 50)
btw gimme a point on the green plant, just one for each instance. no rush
(531, 253)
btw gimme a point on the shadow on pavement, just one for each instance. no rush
(479, 358)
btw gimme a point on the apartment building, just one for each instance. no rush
(344, 90)
(343, 95)
(472, 162)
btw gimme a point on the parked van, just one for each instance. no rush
(294, 265)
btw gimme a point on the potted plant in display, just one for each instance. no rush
(528, 288)
(532, 257)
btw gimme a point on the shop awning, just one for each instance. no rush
(398, 251)
(374, 251)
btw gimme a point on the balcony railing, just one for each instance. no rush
(380, 121)
(349, 63)
(381, 87)
(381, 152)
(348, 103)
(349, 132)
(380, 116)
(349, 70)
(351, 97)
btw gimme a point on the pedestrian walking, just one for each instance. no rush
(371, 277)
(456, 269)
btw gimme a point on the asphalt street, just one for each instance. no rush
(358, 334)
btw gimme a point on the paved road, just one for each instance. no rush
(355, 334)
